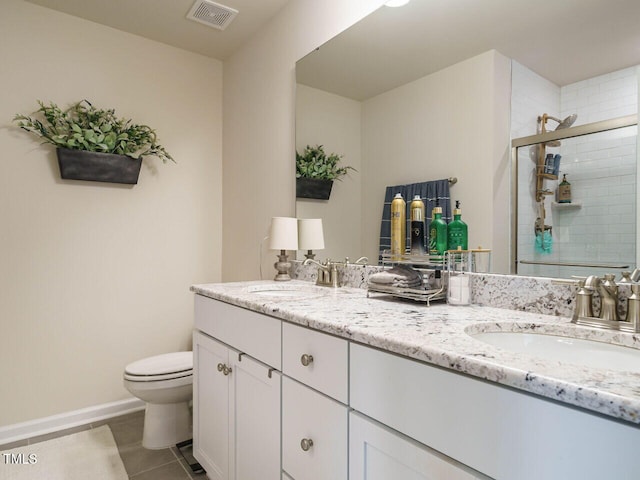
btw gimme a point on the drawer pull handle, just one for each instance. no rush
(224, 369)
(306, 444)
(306, 360)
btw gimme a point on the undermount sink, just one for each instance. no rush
(287, 290)
(577, 351)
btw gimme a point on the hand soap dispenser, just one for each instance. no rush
(437, 232)
(457, 231)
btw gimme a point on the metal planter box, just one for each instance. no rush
(98, 167)
(313, 188)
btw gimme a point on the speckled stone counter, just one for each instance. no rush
(439, 335)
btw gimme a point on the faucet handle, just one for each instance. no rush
(625, 277)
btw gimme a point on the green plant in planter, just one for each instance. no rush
(84, 127)
(315, 163)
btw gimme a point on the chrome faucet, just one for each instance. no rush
(327, 272)
(609, 317)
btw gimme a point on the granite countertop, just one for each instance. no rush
(437, 335)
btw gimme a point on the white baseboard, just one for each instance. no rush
(62, 421)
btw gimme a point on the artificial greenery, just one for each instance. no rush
(84, 127)
(315, 163)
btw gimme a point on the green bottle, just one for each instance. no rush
(437, 232)
(457, 231)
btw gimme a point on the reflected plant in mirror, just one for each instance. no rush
(316, 171)
(315, 163)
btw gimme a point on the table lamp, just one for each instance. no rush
(310, 235)
(283, 236)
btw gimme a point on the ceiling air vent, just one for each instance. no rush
(212, 14)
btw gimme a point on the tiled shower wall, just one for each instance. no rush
(600, 226)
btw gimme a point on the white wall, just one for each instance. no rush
(259, 133)
(453, 123)
(94, 276)
(335, 122)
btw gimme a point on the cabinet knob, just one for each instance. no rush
(306, 444)
(224, 369)
(306, 360)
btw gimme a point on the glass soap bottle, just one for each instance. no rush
(457, 236)
(437, 232)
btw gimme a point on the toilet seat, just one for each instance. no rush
(164, 367)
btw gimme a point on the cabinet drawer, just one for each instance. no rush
(327, 360)
(308, 415)
(250, 332)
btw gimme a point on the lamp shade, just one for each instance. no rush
(310, 235)
(283, 234)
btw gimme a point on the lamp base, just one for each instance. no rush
(282, 266)
(310, 254)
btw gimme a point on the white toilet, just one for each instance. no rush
(165, 383)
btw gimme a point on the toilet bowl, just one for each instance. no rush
(164, 382)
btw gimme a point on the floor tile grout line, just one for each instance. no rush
(182, 464)
(152, 468)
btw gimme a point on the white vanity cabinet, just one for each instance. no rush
(300, 404)
(236, 398)
(379, 453)
(314, 404)
(503, 433)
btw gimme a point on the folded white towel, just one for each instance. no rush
(385, 278)
(405, 284)
(399, 276)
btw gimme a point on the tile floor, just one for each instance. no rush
(140, 463)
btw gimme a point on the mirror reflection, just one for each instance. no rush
(577, 204)
(427, 92)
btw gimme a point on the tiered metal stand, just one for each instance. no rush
(434, 277)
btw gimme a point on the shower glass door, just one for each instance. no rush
(596, 232)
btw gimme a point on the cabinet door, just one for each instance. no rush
(210, 407)
(254, 417)
(322, 423)
(378, 453)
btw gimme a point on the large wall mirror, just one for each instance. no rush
(439, 89)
